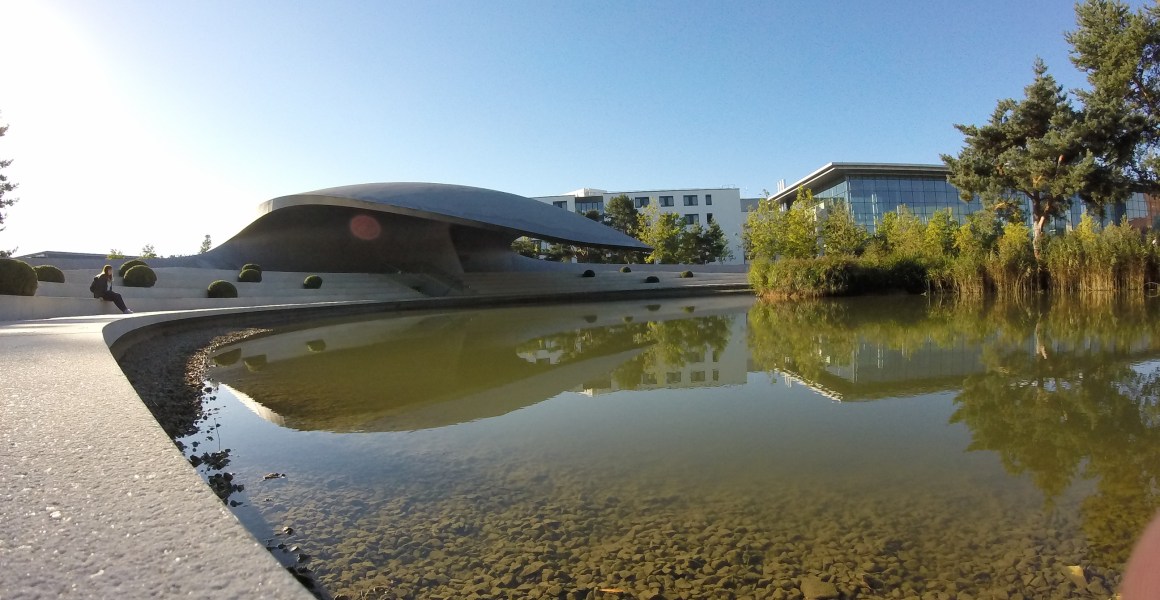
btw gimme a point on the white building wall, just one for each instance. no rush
(725, 208)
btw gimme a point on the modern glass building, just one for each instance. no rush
(874, 189)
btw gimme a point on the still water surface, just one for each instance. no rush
(699, 449)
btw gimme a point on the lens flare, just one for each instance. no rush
(365, 227)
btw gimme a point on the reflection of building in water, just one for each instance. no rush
(544, 351)
(872, 370)
(692, 367)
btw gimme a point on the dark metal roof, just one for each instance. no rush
(468, 206)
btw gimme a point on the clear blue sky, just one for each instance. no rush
(135, 122)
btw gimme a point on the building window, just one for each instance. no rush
(708, 199)
(666, 200)
(672, 377)
(690, 200)
(693, 219)
(708, 217)
(648, 378)
(697, 376)
(560, 204)
(583, 207)
(641, 201)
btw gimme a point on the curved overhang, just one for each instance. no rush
(466, 206)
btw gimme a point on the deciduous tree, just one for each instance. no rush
(621, 215)
(713, 245)
(841, 234)
(662, 231)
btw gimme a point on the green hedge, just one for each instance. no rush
(129, 264)
(312, 282)
(140, 276)
(48, 273)
(836, 276)
(588, 273)
(222, 289)
(17, 278)
(652, 279)
(625, 269)
(686, 274)
(250, 276)
(251, 266)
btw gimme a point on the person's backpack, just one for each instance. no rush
(95, 287)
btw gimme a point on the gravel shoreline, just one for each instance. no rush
(168, 373)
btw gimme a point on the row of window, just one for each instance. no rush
(583, 207)
(678, 377)
(689, 200)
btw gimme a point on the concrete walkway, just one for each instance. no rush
(95, 499)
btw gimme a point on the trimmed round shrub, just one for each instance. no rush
(625, 269)
(222, 289)
(250, 276)
(312, 282)
(140, 276)
(48, 273)
(129, 264)
(253, 266)
(686, 274)
(17, 278)
(588, 273)
(652, 279)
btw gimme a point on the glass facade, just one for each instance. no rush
(871, 197)
(1142, 212)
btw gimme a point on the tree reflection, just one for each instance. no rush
(1069, 405)
(1064, 393)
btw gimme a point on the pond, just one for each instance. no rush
(697, 448)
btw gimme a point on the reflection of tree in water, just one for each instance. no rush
(1068, 404)
(665, 342)
(671, 344)
(1058, 398)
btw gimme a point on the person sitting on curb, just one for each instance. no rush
(102, 287)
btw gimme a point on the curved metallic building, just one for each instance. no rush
(412, 227)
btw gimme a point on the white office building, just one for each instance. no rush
(700, 206)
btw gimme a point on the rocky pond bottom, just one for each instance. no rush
(660, 452)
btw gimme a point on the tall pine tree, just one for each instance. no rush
(1119, 50)
(1033, 147)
